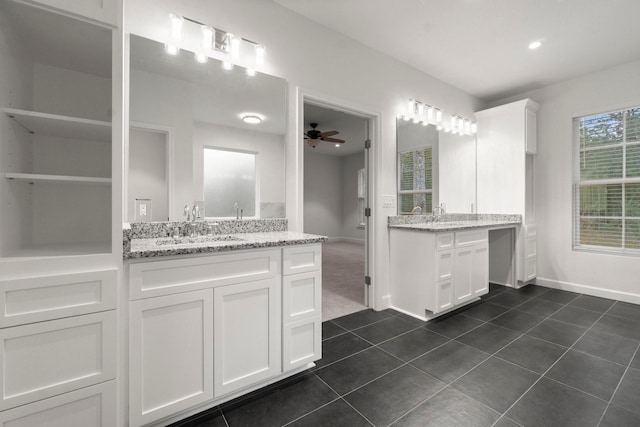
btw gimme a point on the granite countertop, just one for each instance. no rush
(150, 241)
(453, 222)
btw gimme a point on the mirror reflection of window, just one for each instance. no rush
(230, 183)
(415, 181)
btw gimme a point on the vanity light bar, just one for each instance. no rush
(420, 112)
(214, 39)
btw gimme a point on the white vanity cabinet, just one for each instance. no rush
(432, 273)
(207, 328)
(507, 148)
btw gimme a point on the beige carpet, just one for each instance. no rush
(342, 279)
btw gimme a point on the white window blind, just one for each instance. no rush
(415, 169)
(607, 182)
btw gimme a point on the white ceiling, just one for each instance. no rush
(480, 46)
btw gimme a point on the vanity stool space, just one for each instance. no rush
(205, 328)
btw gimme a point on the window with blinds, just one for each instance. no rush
(607, 182)
(415, 180)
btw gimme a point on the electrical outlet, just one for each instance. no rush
(143, 210)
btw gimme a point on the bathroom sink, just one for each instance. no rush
(197, 240)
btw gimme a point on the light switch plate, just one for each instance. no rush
(388, 201)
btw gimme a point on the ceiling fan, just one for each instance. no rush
(314, 136)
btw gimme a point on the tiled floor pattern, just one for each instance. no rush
(528, 357)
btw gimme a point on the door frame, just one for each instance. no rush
(303, 96)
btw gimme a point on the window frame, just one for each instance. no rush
(623, 181)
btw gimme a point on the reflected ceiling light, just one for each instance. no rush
(251, 119)
(171, 49)
(534, 45)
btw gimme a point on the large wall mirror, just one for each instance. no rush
(187, 122)
(434, 168)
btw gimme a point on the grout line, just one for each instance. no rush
(554, 363)
(618, 386)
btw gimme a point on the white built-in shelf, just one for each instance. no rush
(34, 177)
(58, 249)
(61, 126)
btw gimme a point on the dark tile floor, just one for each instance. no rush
(528, 357)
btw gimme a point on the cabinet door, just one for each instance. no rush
(444, 295)
(471, 272)
(301, 343)
(247, 334)
(480, 270)
(171, 354)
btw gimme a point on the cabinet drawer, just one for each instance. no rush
(470, 238)
(444, 265)
(301, 259)
(301, 296)
(49, 358)
(301, 343)
(444, 296)
(93, 406)
(444, 241)
(155, 278)
(36, 299)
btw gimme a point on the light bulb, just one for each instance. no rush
(227, 65)
(260, 51)
(474, 127)
(411, 105)
(207, 37)
(438, 115)
(171, 49)
(201, 57)
(430, 113)
(460, 124)
(251, 72)
(453, 122)
(234, 45)
(176, 26)
(420, 109)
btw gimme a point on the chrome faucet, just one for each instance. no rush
(435, 215)
(417, 210)
(237, 208)
(187, 212)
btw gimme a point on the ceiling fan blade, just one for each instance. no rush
(329, 133)
(336, 140)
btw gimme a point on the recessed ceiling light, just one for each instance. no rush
(254, 120)
(534, 45)
(337, 145)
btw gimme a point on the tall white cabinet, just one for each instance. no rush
(507, 147)
(59, 210)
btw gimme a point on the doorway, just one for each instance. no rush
(336, 182)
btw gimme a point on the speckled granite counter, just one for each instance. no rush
(453, 222)
(148, 240)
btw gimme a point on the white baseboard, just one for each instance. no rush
(346, 239)
(588, 290)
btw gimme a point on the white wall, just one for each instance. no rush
(323, 195)
(355, 76)
(558, 265)
(148, 172)
(331, 195)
